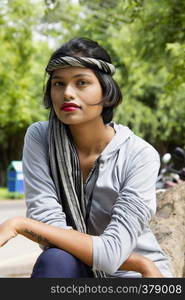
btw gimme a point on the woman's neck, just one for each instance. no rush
(91, 138)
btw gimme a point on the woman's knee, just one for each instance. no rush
(51, 257)
(54, 262)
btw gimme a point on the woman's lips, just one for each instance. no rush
(70, 108)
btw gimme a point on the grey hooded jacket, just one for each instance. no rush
(119, 192)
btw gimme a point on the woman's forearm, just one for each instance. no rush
(141, 264)
(77, 243)
(135, 262)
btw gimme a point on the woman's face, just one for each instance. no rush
(73, 91)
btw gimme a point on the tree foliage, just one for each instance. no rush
(154, 56)
(21, 72)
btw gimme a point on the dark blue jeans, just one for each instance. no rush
(57, 263)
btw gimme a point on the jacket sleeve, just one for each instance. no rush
(40, 194)
(133, 209)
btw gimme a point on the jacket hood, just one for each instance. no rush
(122, 133)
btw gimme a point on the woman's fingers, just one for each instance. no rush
(7, 231)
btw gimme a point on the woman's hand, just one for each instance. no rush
(141, 264)
(150, 270)
(9, 230)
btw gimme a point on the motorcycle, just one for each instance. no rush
(172, 170)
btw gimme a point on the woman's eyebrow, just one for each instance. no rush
(77, 75)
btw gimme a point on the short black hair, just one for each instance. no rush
(112, 96)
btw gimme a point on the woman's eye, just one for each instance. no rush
(82, 82)
(58, 83)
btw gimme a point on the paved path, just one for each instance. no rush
(19, 254)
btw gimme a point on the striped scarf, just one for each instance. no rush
(72, 61)
(67, 175)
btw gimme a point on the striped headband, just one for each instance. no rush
(85, 62)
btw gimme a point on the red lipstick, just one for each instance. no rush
(70, 106)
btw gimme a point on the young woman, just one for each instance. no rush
(89, 182)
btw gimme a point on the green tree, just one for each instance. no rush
(21, 77)
(154, 56)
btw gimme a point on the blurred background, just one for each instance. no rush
(146, 40)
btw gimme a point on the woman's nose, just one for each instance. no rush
(69, 92)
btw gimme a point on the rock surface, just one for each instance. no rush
(169, 226)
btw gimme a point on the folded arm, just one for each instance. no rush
(77, 243)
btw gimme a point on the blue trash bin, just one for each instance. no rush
(15, 180)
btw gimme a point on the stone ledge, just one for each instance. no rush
(169, 226)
